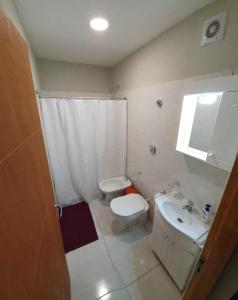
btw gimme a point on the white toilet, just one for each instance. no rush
(114, 187)
(130, 210)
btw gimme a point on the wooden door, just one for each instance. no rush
(220, 245)
(32, 261)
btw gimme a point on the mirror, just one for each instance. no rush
(208, 128)
(198, 119)
(205, 115)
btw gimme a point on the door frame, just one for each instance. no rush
(220, 245)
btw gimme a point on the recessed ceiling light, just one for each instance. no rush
(99, 24)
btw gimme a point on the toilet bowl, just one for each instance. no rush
(114, 187)
(130, 210)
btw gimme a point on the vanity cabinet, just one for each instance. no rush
(176, 252)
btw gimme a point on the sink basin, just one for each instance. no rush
(175, 213)
(188, 223)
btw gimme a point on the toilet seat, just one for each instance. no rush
(129, 205)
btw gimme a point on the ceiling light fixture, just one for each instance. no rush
(99, 24)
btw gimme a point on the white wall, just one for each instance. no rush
(157, 71)
(177, 54)
(10, 10)
(148, 124)
(62, 76)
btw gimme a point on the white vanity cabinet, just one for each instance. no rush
(176, 252)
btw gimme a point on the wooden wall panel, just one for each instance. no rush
(51, 286)
(24, 201)
(19, 115)
(32, 262)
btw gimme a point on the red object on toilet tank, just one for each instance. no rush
(131, 190)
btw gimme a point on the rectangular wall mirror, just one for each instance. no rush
(209, 126)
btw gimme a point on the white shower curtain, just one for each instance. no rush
(86, 141)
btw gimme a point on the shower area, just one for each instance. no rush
(86, 141)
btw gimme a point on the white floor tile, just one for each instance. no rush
(104, 219)
(117, 295)
(91, 272)
(131, 254)
(93, 276)
(156, 285)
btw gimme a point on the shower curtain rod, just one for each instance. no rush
(70, 97)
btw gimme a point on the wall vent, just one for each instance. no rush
(214, 29)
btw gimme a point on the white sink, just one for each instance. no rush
(188, 223)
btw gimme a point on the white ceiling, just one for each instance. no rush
(59, 29)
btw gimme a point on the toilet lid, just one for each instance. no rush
(128, 205)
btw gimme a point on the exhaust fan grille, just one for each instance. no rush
(213, 29)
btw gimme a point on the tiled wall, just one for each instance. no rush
(148, 124)
(156, 70)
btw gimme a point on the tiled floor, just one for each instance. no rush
(119, 266)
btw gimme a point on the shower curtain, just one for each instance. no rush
(86, 141)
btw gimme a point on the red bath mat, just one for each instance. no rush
(77, 226)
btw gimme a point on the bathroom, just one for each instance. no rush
(128, 82)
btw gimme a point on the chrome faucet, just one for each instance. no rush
(189, 206)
